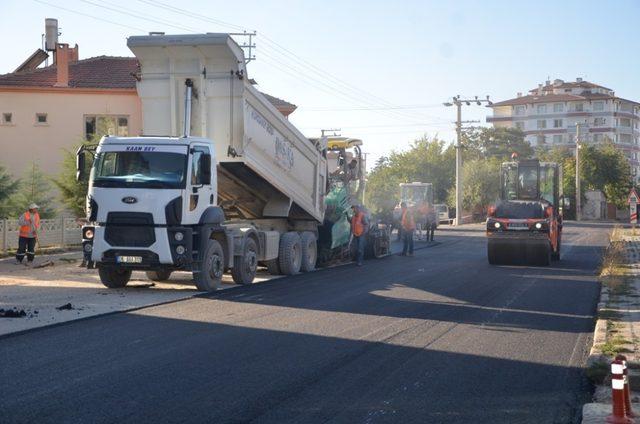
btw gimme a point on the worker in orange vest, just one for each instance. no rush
(29, 223)
(408, 228)
(359, 228)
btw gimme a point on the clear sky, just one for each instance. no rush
(378, 70)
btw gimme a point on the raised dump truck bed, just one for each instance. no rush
(266, 167)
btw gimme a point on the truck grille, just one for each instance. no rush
(130, 229)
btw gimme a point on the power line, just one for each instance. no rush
(88, 15)
(329, 109)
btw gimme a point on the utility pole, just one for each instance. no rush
(578, 193)
(457, 101)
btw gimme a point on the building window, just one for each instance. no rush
(541, 108)
(599, 122)
(541, 139)
(625, 122)
(557, 138)
(625, 107)
(598, 106)
(520, 110)
(99, 125)
(567, 90)
(520, 125)
(41, 119)
(542, 124)
(578, 107)
(597, 138)
(558, 107)
(7, 118)
(625, 138)
(557, 123)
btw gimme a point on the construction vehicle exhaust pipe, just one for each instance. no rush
(187, 108)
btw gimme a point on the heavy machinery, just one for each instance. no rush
(346, 185)
(525, 225)
(418, 196)
(220, 181)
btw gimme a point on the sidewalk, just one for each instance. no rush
(617, 328)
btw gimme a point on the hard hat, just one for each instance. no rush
(33, 206)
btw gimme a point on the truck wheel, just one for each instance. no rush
(309, 251)
(159, 275)
(245, 266)
(273, 266)
(209, 276)
(114, 277)
(290, 253)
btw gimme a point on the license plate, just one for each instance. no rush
(518, 226)
(129, 259)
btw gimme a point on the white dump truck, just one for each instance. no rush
(219, 181)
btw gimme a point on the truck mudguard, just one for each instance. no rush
(212, 215)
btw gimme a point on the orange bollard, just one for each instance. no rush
(618, 415)
(627, 390)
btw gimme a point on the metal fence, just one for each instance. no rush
(53, 232)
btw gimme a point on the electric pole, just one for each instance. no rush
(457, 101)
(578, 193)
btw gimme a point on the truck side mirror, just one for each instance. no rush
(80, 163)
(205, 166)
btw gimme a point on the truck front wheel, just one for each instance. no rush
(290, 253)
(114, 277)
(245, 266)
(209, 275)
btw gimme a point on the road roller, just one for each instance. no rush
(525, 224)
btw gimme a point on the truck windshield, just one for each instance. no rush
(139, 170)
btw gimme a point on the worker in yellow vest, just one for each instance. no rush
(29, 223)
(359, 228)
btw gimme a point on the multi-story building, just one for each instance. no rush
(549, 116)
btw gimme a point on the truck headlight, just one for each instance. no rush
(180, 250)
(538, 225)
(497, 225)
(178, 236)
(88, 248)
(88, 234)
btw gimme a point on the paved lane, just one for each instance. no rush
(440, 337)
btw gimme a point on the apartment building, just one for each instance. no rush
(549, 116)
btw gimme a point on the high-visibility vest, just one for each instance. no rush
(407, 220)
(357, 224)
(25, 230)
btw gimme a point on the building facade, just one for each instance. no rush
(550, 114)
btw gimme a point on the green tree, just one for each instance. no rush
(489, 142)
(428, 160)
(8, 187)
(481, 185)
(34, 187)
(72, 192)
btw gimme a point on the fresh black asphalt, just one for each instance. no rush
(441, 337)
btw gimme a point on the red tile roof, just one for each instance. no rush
(96, 72)
(550, 98)
(567, 84)
(104, 72)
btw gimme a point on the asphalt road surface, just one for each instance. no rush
(440, 337)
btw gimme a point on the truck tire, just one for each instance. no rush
(273, 266)
(290, 253)
(245, 266)
(159, 274)
(114, 277)
(309, 251)
(209, 276)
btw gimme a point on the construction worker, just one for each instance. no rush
(359, 227)
(432, 222)
(408, 227)
(29, 223)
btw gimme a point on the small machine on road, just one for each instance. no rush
(417, 196)
(525, 225)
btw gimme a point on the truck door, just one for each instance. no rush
(200, 193)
